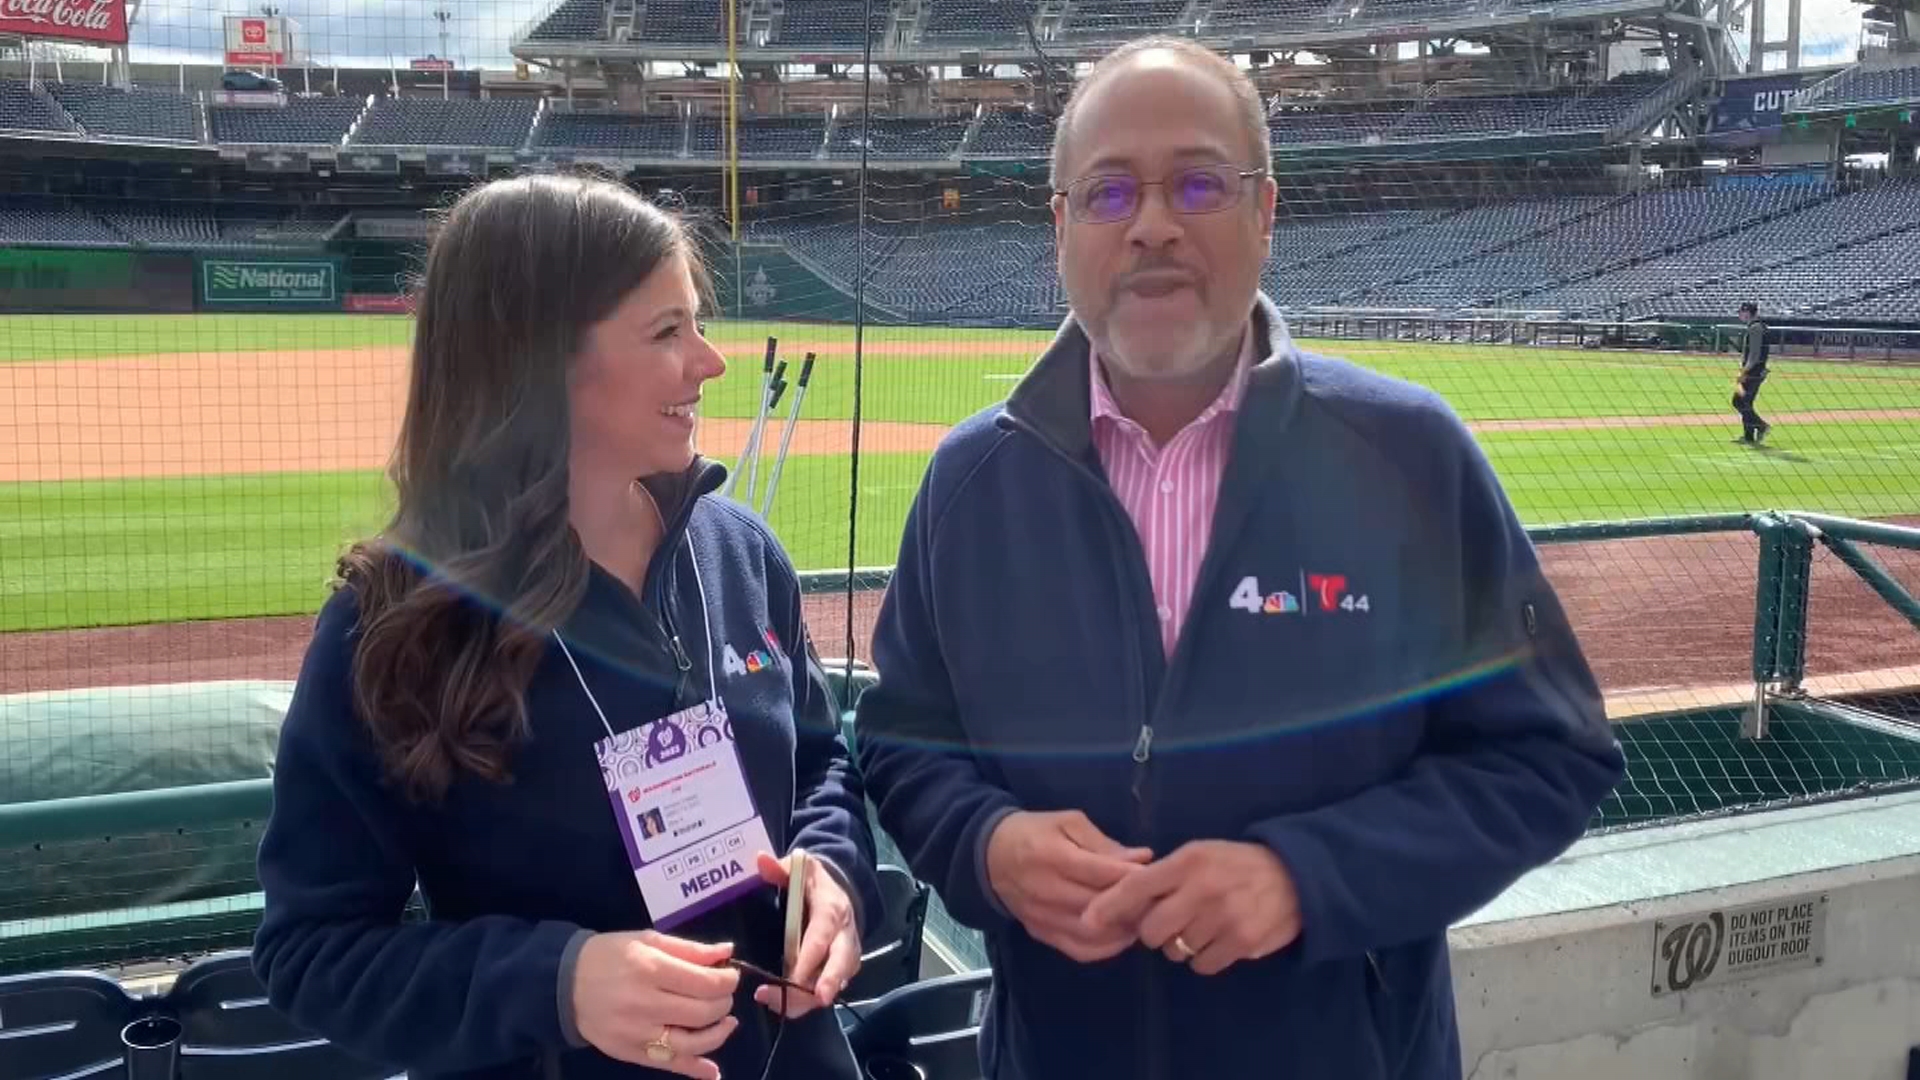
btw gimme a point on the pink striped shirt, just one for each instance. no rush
(1170, 491)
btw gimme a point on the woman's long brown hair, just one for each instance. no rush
(479, 562)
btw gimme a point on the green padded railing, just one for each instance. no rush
(139, 875)
(169, 872)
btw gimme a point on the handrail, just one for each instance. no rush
(81, 817)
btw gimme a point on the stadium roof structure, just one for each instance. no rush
(618, 30)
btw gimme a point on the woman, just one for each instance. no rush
(532, 613)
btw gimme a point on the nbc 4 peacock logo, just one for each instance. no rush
(1323, 593)
(754, 662)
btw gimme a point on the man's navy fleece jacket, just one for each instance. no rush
(1375, 681)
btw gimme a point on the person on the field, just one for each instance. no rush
(1216, 679)
(495, 703)
(1753, 372)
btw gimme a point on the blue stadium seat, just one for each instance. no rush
(620, 133)
(573, 20)
(498, 124)
(1007, 133)
(26, 108)
(302, 121)
(952, 21)
(229, 1032)
(62, 1024)
(831, 22)
(683, 22)
(929, 1030)
(891, 951)
(135, 113)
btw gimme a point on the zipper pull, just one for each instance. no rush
(1143, 746)
(680, 655)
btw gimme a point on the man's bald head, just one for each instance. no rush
(1250, 112)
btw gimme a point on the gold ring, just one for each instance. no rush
(660, 1049)
(1181, 944)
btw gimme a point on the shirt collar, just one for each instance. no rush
(1105, 408)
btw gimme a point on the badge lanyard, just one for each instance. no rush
(680, 797)
(713, 687)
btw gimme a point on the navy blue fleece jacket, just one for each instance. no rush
(516, 876)
(1375, 681)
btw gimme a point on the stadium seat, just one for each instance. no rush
(831, 22)
(26, 108)
(929, 1030)
(302, 121)
(129, 113)
(62, 1024)
(683, 22)
(890, 953)
(229, 1032)
(432, 122)
(573, 20)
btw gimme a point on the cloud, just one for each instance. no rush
(356, 32)
(1829, 31)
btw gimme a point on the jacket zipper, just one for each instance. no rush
(662, 613)
(1155, 1029)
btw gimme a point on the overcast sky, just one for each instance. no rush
(344, 32)
(378, 32)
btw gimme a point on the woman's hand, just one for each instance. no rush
(653, 1000)
(829, 946)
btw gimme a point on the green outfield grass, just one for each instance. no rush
(120, 552)
(87, 553)
(128, 552)
(956, 372)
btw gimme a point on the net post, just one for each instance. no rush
(1766, 621)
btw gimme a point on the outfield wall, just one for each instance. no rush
(268, 281)
(134, 282)
(86, 281)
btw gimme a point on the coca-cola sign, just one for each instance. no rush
(103, 22)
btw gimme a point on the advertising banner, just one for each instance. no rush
(256, 41)
(366, 161)
(378, 304)
(97, 22)
(457, 164)
(1749, 110)
(277, 161)
(50, 280)
(269, 283)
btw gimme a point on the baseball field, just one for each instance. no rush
(173, 489)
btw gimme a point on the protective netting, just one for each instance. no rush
(204, 350)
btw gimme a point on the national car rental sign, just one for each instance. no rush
(101, 22)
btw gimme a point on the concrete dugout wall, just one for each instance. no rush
(1567, 974)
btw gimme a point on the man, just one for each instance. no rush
(1753, 372)
(1215, 679)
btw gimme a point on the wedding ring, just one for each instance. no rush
(1186, 950)
(660, 1049)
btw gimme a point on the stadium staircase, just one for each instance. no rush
(1655, 107)
(70, 128)
(623, 19)
(533, 129)
(973, 130)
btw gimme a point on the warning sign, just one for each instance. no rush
(1731, 944)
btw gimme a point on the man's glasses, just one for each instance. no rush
(1203, 189)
